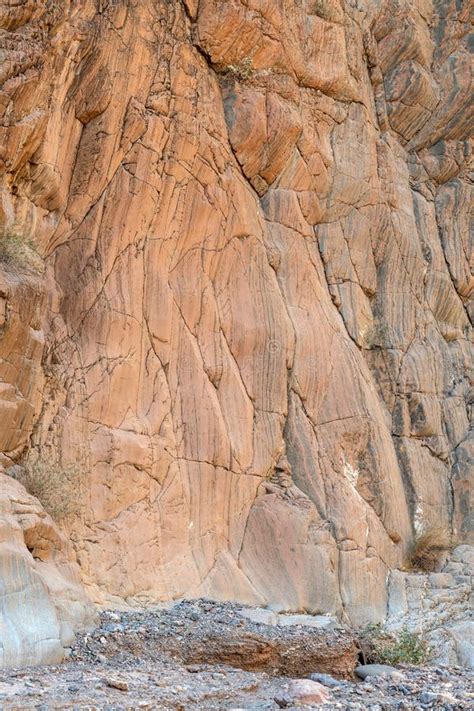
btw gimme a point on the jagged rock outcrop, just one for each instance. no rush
(252, 328)
(42, 602)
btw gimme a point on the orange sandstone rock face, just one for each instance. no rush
(252, 329)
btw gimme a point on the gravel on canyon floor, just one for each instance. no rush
(190, 656)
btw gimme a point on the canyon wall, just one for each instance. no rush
(246, 321)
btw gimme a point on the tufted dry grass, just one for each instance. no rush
(429, 548)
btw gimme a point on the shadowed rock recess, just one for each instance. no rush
(234, 294)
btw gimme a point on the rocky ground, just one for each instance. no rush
(204, 655)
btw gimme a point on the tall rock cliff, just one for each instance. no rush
(246, 320)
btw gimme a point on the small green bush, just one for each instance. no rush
(403, 647)
(58, 488)
(243, 70)
(18, 253)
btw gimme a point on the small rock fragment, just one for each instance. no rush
(327, 680)
(302, 691)
(438, 697)
(117, 683)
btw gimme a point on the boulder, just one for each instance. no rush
(367, 670)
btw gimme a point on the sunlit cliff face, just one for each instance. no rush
(249, 330)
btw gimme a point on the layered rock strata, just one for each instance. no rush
(250, 327)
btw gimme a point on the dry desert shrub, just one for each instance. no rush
(243, 70)
(18, 253)
(57, 487)
(429, 548)
(402, 647)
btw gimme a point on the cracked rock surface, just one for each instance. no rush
(250, 329)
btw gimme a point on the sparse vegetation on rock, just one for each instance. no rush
(323, 9)
(57, 487)
(18, 253)
(384, 647)
(243, 70)
(429, 548)
(377, 335)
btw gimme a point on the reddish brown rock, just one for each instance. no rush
(301, 692)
